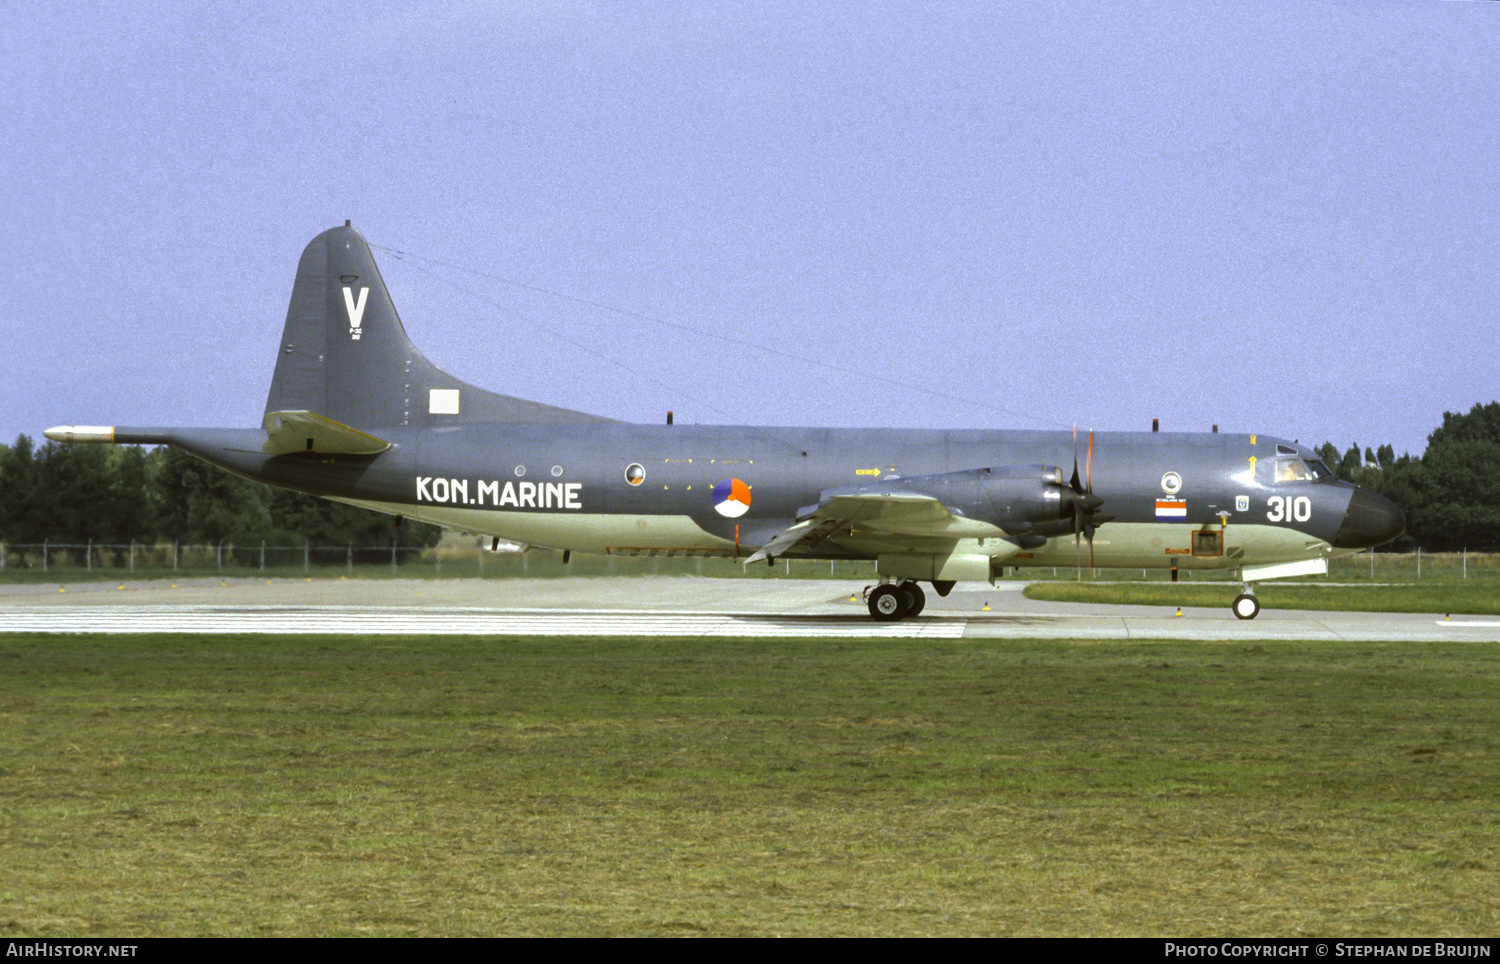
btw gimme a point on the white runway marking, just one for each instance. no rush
(406, 620)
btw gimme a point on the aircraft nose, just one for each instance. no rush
(1370, 520)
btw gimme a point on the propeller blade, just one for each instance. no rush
(1085, 504)
(1080, 497)
(1091, 462)
(1074, 481)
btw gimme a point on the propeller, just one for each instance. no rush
(1085, 504)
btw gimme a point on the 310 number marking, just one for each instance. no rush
(1285, 508)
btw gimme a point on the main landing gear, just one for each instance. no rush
(890, 601)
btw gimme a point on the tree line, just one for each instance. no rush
(120, 494)
(1450, 494)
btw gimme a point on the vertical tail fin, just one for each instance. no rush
(344, 354)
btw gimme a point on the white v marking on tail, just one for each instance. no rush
(356, 311)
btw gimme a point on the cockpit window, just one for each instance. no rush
(1292, 470)
(1300, 470)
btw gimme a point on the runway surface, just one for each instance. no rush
(656, 606)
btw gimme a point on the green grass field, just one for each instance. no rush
(175, 785)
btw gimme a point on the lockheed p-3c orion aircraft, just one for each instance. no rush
(357, 414)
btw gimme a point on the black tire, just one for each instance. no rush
(916, 599)
(887, 604)
(1245, 606)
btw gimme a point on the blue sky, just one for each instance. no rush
(1274, 217)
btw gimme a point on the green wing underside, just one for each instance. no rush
(894, 520)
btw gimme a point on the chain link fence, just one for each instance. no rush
(143, 557)
(453, 558)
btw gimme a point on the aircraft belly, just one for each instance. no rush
(578, 531)
(1156, 546)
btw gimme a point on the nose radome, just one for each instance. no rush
(1370, 520)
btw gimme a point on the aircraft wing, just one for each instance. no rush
(894, 517)
(289, 432)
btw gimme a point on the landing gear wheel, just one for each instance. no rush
(1245, 606)
(916, 599)
(887, 604)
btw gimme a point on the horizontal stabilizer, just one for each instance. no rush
(290, 432)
